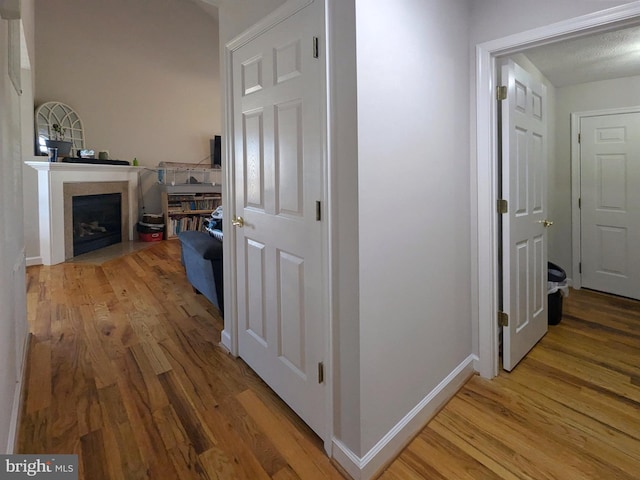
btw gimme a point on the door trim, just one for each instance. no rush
(576, 218)
(229, 336)
(485, 217)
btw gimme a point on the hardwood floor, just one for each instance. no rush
(125, 370)
(570, 410)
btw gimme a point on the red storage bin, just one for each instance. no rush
(150, 237)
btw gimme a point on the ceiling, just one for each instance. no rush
(591, 58)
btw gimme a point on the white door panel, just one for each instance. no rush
(610, 199)
(278, 180)
(524, 240)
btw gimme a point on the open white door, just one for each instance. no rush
(610, 201)
(279, 178)
(524, 239)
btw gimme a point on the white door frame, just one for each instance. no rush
(576, 218)
(230, 333)
(486, 217)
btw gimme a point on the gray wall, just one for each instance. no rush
(13, 316)
(414, 205)
(143, 76)
(618, 93)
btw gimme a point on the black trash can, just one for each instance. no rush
(556, 283)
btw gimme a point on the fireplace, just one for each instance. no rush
(59, 182)
(96, 214)
(97, 221)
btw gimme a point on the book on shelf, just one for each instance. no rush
(185, 205)
(185, 223)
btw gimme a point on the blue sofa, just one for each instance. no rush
(201, 255)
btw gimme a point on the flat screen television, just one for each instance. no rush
(216, 151)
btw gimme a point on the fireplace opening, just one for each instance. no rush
(97, 221)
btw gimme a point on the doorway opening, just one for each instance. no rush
(487, 281)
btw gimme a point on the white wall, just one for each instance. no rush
(413, 177)
(143, 76)
(13, 317)
(622, 92)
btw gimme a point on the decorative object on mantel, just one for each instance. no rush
(95, 161)
(57, 142)
(56, 121)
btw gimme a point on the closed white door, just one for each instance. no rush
(610, 203)
(524, 239)
(279, 178)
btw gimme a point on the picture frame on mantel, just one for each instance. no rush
(56, 121)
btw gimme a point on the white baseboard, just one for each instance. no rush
(398, 437)
(225, 340)
(34, 261)
(17, 399)
(476, 362)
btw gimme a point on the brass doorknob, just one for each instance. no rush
(238, 222)
(546, 223)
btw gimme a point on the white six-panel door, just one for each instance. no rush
(610, 203)
(524, 239)
(277, 108)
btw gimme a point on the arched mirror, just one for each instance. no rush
(57, 121)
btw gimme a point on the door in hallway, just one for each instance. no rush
(279, 178)
(610, 203)
(524, 237)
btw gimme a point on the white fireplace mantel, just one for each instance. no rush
(51, 180)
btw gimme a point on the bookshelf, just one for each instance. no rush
(186, 207)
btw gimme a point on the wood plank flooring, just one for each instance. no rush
(125, 370)
(570, 410)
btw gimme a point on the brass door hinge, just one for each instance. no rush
(503, 206)
(501, 92)
(503, 319)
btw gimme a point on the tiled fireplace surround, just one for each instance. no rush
(58, 183)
